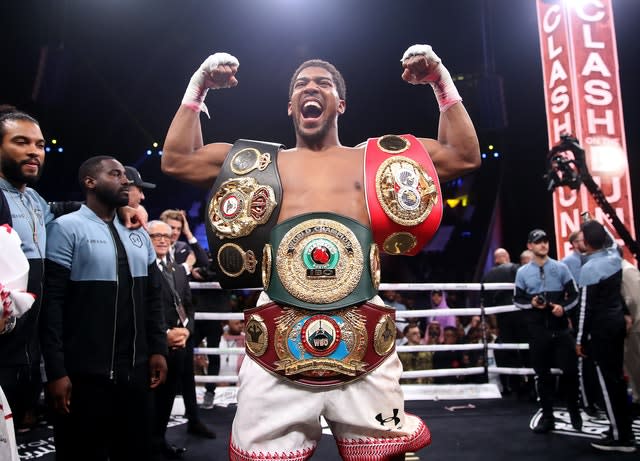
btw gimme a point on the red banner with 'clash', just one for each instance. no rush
(582, 97)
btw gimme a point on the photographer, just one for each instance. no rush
(545, 289)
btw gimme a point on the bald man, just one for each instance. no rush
(504, 271)
(511, 325)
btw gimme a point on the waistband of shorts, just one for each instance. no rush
(320, 348)
(321, 261)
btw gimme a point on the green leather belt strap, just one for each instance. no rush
(321, 261)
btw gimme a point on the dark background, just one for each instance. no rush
(106, 76)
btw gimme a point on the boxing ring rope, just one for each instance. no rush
(395, 286)
(485, 346)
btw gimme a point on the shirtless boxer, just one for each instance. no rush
(320, 341)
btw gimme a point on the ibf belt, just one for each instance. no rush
(320, 261)
(403, 194)
(241, 210)
(320, 349)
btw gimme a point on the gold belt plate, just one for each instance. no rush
(239, 206)
(319, 261)
(294, 330)
(405, 191)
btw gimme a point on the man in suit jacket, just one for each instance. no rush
(179, 325)
(192, 257)
(189, 254)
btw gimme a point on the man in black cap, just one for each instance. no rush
(136, 193)
(545, 289)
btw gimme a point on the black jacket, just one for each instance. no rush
(182, 249)
(21, 346)
(79, 308)
(555, 283)
(183, 290)
(602, 307)
(502, 273)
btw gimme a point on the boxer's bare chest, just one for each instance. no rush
(329, 181)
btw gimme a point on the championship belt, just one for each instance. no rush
(241, 210)
(403, 194)
(321, 261)
(320, 349)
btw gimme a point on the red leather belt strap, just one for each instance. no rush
(320, 348)
(403, 193)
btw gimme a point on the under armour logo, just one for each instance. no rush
(393, 418)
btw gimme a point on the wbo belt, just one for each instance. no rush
(320, 261)
(403, 193)
(320, 349)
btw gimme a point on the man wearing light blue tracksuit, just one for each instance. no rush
(545, 289)
(102, 334)
(601, 332)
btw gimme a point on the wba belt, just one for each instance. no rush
(320, 349)
(320, 261)
(241, 210)
(403, 194)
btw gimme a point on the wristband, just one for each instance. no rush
(445, 90)
(197, 89)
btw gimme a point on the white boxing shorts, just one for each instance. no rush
(280, 419)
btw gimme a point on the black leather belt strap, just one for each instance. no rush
(242, 208)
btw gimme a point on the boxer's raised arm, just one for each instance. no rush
(456, 151)
(185, 156)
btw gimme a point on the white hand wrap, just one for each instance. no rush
(14, 302)
(421, 50)
(445, 90)
(201, 81)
